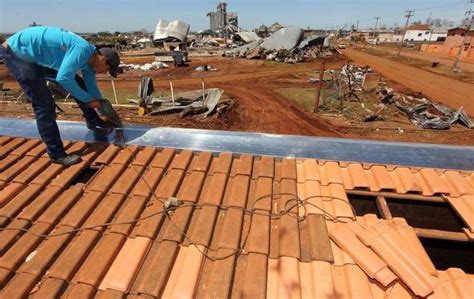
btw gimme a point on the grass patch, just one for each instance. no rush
(302, 97)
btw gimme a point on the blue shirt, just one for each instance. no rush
(61, 50)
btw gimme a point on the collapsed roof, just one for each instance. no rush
(286, 38)
(171, 31)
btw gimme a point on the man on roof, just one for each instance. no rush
(41, 53)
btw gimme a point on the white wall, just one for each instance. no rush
(422, 35)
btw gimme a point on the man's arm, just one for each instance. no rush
(73, 61)
(88, 75)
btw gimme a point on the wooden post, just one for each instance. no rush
(382, 206)
(320, 86)
(115, 92)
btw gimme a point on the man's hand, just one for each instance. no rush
(94, 104)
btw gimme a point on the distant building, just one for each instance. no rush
(453, 41)
(423, 33)
(221, 19)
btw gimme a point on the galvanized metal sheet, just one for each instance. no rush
(395, 153)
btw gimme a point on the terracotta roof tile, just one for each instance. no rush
(314, 240)
(98, 262)
(144, 156)
(184, 276)
(11, 172)
(16, 254)
(181, 160)
(283, 256)
(73, 256)
(10, 146)
(434, 183)
(464, 206)
(26, 147)
(148, 182)
(8, 237)
(331, 173)
(365, 258)
(9, 192)
(32, 171)
(79, 213)
(383, 239)
(216, 277)
(127, 180)
(222, 165)
(126, 265)
(4, 139)
(79, 291)
(44, 255)
(107, 155)
(380, 179)
(163, 158)
(22, 199)
(19, 286)
(61, 205)
(40, 204)
(283, 278)
(49, 288)
(131, 210)
(245, 165)
(5, 276)
(153, 275)
(251, 276)
(201, 162)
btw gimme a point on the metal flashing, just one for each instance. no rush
(322, 148)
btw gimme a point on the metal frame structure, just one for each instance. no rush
(364, 151)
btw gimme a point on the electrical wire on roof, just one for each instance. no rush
(172, 204)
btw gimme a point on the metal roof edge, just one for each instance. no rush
(324, 148)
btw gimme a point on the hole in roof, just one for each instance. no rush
(421, 214)
(363, 204)
(85, 175)
(448, 254)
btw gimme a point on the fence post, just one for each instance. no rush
(320, 86)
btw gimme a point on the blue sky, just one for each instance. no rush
(127, 15)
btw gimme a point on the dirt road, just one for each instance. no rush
(431, 57)
(451, 92)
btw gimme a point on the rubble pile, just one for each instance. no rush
(287, 45)
(359, 84)
(425, 113)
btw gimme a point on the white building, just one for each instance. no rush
(423, 33)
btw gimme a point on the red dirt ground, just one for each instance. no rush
(259, 108)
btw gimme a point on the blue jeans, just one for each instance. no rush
(32, 79)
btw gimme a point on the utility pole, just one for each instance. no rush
(408, 15)
(376, 22)
(455, 67)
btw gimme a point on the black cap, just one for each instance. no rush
(113, 60)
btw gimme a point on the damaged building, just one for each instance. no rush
(221, 19)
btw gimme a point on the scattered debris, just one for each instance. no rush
(359, 83)
(204, 101)
(205, 68)
(156, 65)
(175, 31)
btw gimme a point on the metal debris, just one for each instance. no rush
(204, 101)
